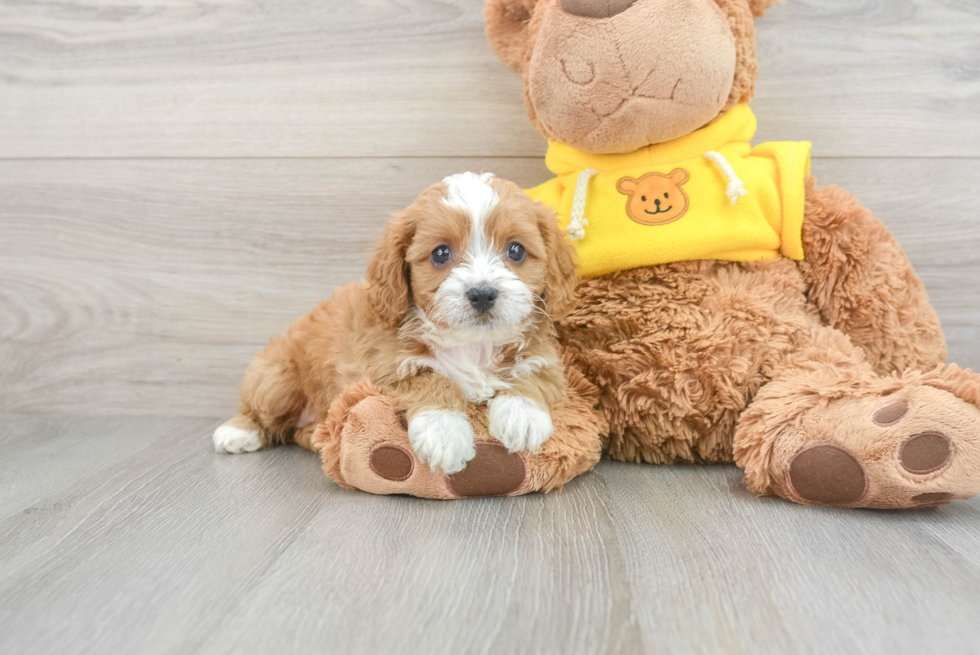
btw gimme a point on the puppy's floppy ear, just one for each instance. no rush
(561, 277)
(507, 22)
(759, 7)
(387, 272)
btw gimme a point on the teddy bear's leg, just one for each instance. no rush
(863, 284)
(364, 445)
(828, 430)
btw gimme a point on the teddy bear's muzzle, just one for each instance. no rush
(596, 8)
(600, 79)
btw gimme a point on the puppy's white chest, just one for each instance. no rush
(474, 368)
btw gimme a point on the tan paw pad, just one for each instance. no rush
(493, 472)
(392, 463)
(891, 414)
(926, 453)
(827, 474)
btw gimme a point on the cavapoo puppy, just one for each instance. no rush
(456, 309)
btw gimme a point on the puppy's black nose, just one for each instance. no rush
(482, 298)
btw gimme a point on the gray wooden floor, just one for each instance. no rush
(128, 535)
(178, 181)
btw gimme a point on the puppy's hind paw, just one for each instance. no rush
(234, 439)
(519, 423)
(442, 439)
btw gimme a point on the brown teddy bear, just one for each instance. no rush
(776, 324)
(761, 320)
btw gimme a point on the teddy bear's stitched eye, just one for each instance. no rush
(516, 252)
(441, 255)
(666, 195)
(643, 198)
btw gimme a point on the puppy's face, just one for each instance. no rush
(476, 254)
(478, 258)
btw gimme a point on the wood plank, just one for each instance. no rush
(130, 535)
(173, 548)
(717, 570)
(537, 574)
(134, 287)
(417, 78)
(870, 78)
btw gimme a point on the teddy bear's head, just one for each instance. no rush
(612, 76)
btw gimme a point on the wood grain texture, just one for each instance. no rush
(167, 547)
(417, 78)
(859, 78)
(134, 537)
(145, 287)
(714, 569)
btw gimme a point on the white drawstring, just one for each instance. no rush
(577, 221)
(735, 188)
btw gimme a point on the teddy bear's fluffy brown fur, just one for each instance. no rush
(784, 367)
(825, 379)
(681, 350)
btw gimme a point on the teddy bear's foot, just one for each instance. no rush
(903, 443)
(364, 445)
(376, 456)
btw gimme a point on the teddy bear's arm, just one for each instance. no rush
(863, 284)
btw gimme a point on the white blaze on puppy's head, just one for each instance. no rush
(472, 259)
(473, 194)
(481, 291)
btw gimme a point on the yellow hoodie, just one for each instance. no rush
(708, 195)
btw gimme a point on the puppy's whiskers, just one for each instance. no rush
(542, 309)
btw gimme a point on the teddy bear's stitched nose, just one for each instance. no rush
(596, 8)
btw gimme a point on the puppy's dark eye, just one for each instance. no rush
(441, 255)
(515, 252)
(666, 195)
(643, 198)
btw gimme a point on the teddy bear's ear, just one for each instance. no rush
(679, 176)
(507, 22)
(626, 185)
(759, 7)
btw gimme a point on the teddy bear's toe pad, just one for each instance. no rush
(827, 474)
(392, 462)
(891, 414)
(926, 453)
(493, 472)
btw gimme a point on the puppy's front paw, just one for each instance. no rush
(442, 439)
(519, 424)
